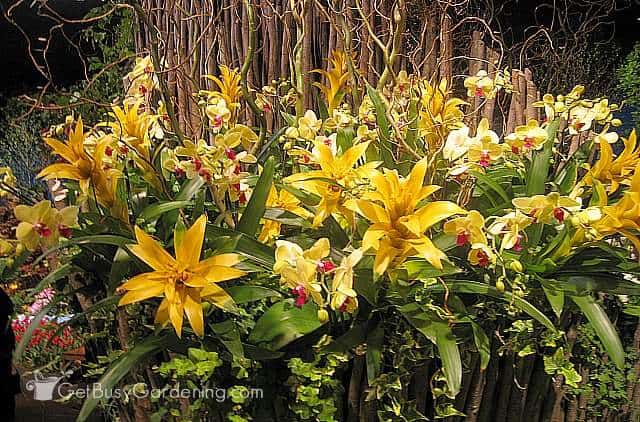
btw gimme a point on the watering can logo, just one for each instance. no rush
(43, 386)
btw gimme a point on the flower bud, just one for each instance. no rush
(500, 285)
(516, 266)
(323, 315)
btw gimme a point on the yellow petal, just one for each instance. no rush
(62, 171)
(216, 274)
(428, 251)
(151, 252)
(372, 212)
(162, 314)
(176, 313)
(188, 251)
(437, 211)
(138, 295)
(193, 309)
(384, 257)
(217, 296)
(145, 281)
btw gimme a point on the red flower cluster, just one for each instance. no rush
(46, 336)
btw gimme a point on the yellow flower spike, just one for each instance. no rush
(184, 281)
(337, 78)
(229, 86)
(398, 225)
(438, 114)
(132, 127)
(467, 229)
(90, 171)
(615, 172)
(336, 174)
(285, 201)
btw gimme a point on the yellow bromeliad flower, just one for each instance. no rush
(336, 174)
(527, 137)
(298, 269)
(545, 209)
(132, 127)
(42, 225)
(284, 201)
(88, 169)
(614, 172)
(439, 114)
(229, 87)
(337, 78)
(184, 281)
(467, 229)
(398, 223)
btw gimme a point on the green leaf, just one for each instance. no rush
(555, 298)
(250, 220)
(98, 239)
(495, 186)
(375, 339)
(482, 344)
(120, 268)
(384, 130)
(474, 287)
(283, 323)
(603, 327)
(539, 170)
(189, 189)
(123, 366)
(257, 252)
(228, 334)
(246, 293)
(450, 355)
(156, 210)
(285, 217)
(568, 176)
(355, 336)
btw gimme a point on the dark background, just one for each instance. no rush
(18, 73)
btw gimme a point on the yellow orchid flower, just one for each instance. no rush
(336, 174)
(484, 148)
(457, 144)
(480, 85)
(527, 137)
(184, 281)
(142, 78)
(398, 223)
(285, 201)
(509, 226)
(467, 229)
(343, 297)
(546, 208)
(89, 170)
(218, 112)
(337, 78)
(614, 172)
(298, 269)
(308, 126)
(438, 114)
(481, 255)
(42, 225)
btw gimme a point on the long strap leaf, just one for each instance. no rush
(250, 220)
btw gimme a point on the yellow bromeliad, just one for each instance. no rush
(284, 201)
(88, 169)
(337, 78)
(336, 174)
(438, 114)
(614, 172)
(132, 127)
(398, 222)
(184, 281)
(228, 85)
